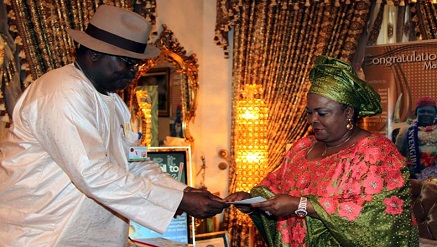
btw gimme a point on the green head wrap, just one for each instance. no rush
(337, 80)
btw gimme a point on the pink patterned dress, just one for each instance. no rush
(361, 194)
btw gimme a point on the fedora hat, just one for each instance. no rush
(117, 31)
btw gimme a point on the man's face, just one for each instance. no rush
(426, 115)
(112, 73)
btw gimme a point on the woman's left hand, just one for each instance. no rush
(279, 205)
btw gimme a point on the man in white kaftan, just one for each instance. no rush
(64, 175)
(86, 166)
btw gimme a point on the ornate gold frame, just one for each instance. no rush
(185, 64)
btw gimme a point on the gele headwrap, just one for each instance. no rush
(337, 80)
(425, 101)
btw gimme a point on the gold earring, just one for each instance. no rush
(349, 125)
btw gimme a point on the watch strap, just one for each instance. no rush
(302, 207)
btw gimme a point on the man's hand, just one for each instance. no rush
(201, 203)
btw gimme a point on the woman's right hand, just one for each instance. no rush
(238, 196)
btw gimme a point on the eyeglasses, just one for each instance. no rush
(130, 63)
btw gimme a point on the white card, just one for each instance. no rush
(250, 200)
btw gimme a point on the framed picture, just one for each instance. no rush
(213, 239)
(161, 78)
(175, 161)
(400, 83)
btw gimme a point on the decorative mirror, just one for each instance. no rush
(162, 97)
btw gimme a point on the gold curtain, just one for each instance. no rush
(425, 19)
(417, 20)
(38, 29)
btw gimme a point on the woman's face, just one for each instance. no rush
(327, 118)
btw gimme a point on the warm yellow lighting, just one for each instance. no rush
(254, 157)
(249, 115)
(145, 105)
(251, 138)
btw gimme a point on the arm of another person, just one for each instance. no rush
(283, 205)
(278, 205)
(195, 202)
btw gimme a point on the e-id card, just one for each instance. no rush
(137, 154)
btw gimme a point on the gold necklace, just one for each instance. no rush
(338, 145)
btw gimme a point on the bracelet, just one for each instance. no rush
(302, 208)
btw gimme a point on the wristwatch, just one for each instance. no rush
(302, 208)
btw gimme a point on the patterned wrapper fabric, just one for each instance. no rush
(361, 194)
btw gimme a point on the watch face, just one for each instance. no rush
(301, 213)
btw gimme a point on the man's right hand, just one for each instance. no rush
(202, 204)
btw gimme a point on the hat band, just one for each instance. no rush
(116, 40)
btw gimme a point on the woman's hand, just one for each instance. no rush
(279, 205)
(238, 196)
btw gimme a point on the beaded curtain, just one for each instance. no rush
(274, 45)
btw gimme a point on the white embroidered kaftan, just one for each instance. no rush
(64, 175)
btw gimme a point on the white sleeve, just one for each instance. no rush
(152, 171)
(66, 125)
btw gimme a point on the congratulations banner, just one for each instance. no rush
(401, 73)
